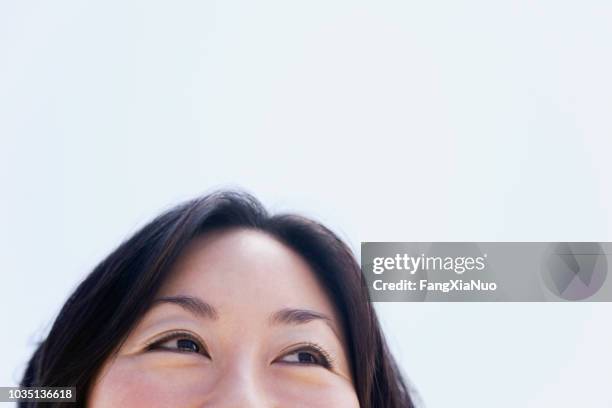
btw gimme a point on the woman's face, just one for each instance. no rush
(242, 322)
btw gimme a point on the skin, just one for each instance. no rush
(263, 308)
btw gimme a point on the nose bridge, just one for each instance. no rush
(240, 384)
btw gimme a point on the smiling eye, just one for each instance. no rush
(307, 355)
(179, 342)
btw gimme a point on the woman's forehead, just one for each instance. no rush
(234, 267)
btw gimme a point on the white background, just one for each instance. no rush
(388, 121)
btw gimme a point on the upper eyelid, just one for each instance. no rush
(174, 334)
(310, 346)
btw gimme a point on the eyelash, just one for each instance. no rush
(177, 335)
(321, 354)
(326, 360)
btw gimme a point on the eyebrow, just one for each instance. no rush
(287, 316)
(302, 316)
(297, 316)
(191, 304)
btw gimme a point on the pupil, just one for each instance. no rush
(305, 358)
(185, 344)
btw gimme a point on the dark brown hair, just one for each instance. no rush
(103, 309)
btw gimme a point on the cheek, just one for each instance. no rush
(127, 384)
(141, 382)
(305, 388)
(319, 398)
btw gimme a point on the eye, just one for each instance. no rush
(307, 354)
(181, 342)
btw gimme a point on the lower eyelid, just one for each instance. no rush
(326, 360)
